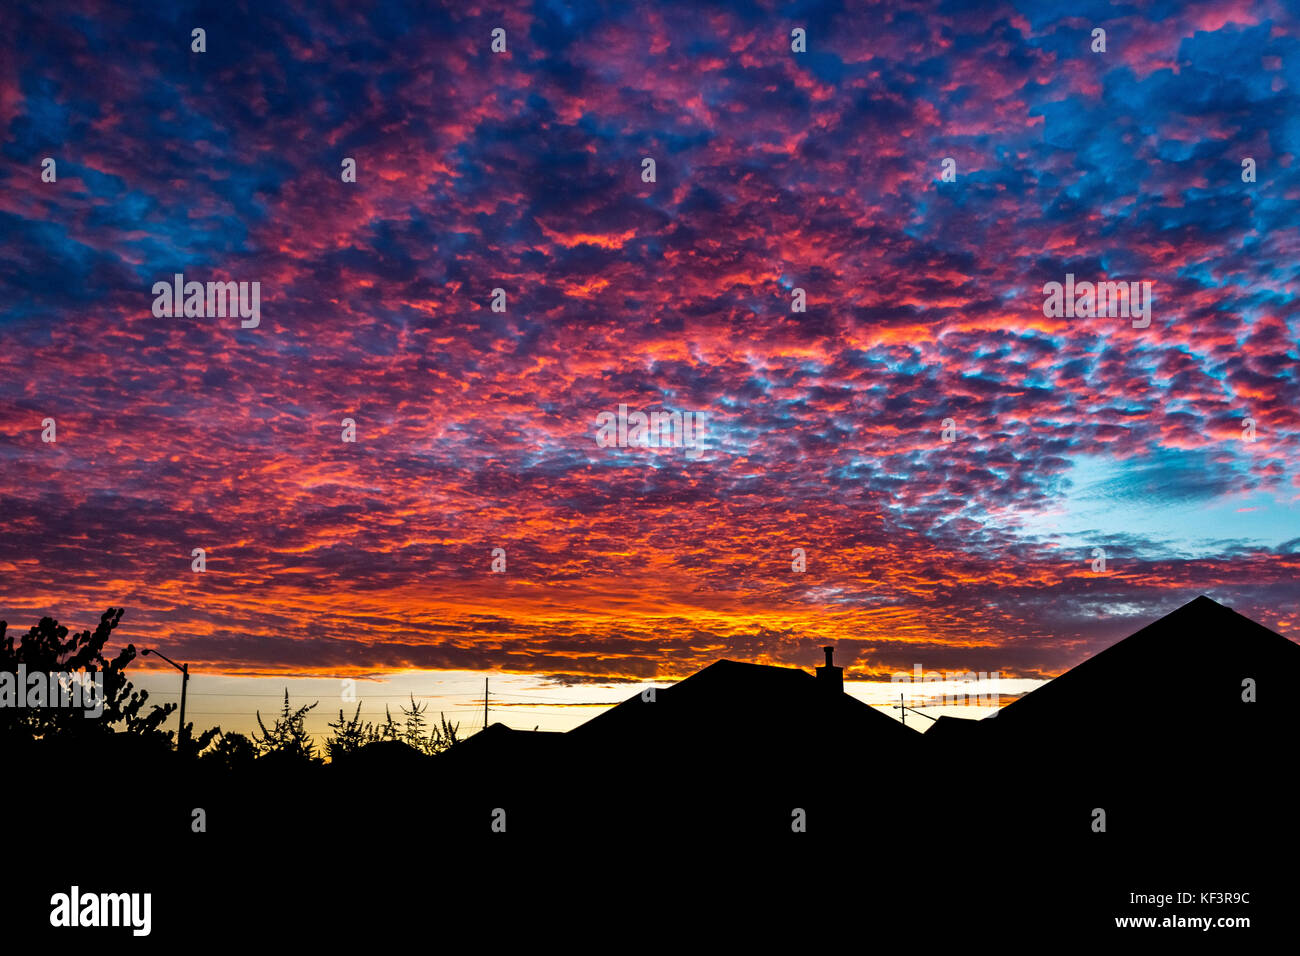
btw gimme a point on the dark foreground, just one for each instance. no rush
(745, 806)
(945, 851)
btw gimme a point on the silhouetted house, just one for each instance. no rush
(832, 677)
(735, 748)
(1161, 700)
(1172, 693)
(734, 713)
(499, 755)
(1191, 664)
(730, 722)
(499, 742)
(382, 755)
(956, 731)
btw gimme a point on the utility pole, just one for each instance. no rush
(185, 680)
(902, 710)
(485, 711)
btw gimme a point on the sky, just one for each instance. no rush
(477, 429)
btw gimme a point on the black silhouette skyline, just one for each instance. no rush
(1182, 735)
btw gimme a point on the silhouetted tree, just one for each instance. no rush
(441, 737)
(389, 730)
(444, 736)
(193, 746)
(414, 733)
(230, 752)
(287, 737)
(48, 648)
(350, 735)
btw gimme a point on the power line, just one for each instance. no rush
(543, 697)
(280, 696)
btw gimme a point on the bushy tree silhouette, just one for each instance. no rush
(414, 731)
(351, 734)
(389, 730)
(446, 734)
(192, 746)
(287, 738)
(441, 737)
(230, 752)
(49, 648)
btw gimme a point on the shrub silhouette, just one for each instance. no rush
(191, 746)
(230, 752)
(389, 730)
(351, 734)
(286, 739)
(440, 737)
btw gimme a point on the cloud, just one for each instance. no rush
(775, 171)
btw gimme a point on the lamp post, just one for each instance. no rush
(185, 679)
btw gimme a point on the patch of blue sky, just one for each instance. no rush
(1172, 498)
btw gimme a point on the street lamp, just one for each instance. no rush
(185, 679)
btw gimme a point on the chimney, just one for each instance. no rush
(830, 676)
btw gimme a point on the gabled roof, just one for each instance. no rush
(1188, 666)
(503, 742)
(731, 697)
